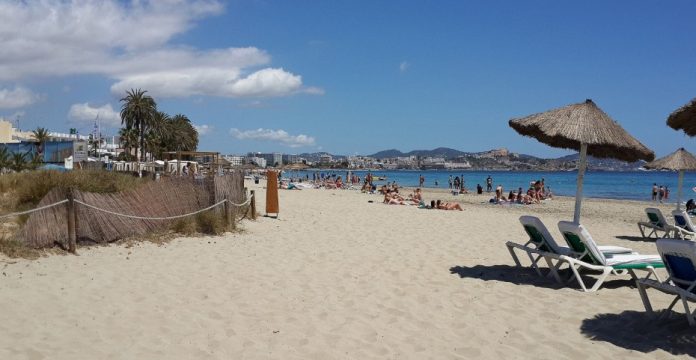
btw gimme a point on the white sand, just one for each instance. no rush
(336, 277)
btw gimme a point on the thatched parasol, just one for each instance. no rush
(586, 128)
(680, 160)
(684, 118)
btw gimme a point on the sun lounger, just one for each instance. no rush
(679, 257)
(588, 256)
(656, 223)
(541, 245)
(684, 228)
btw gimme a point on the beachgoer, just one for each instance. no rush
(666, 192)
(661, 193)
(421, 181)
(448, 206)
(690, 206)
(456, 182)
(654, 192)
(450, 182)
(489, 184)
(498, 192)
(479, 189)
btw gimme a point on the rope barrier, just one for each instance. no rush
(34, 210)
(247, 202)
(149, 218)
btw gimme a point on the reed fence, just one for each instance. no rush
(65, 216)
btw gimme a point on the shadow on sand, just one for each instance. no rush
(527, 276)
(636, 238)
(638, 331)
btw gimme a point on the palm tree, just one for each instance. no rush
(160, 129)
(35, 160)
(18, 161)
(128, 138)
(184, 136)
(40, 135)
(137, 111)
(4, 158)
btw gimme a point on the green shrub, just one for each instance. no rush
(16, 249)
(210, 223)
(185, 226)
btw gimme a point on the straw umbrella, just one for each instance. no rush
(680, 160)
(586, 128)
(684, 118)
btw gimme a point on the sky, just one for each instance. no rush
(350, 77)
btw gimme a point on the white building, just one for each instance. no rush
(234, 160)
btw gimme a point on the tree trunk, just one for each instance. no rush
(142, 140)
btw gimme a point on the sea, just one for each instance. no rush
(632, 185)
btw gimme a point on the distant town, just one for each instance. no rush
(61, 146)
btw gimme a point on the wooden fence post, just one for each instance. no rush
(252, 206)
(229, 222)
(72, 236)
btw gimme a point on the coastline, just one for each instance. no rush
(336, 276)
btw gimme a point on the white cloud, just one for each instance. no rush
(129, 42)
(203, 129)
(404, 66)
(86, 113)
(280, 136)
(17, 98)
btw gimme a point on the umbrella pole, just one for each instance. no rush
(679, 188)
(581, 175)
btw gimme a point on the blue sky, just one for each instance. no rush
(350, 77)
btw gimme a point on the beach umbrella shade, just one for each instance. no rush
(684, 118)
(680, 160)
(583, 127)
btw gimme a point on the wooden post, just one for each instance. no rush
(229, 222)
(72, 236)
(252, 206)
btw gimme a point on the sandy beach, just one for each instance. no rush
(338, 277)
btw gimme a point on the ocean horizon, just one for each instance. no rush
(619, 185)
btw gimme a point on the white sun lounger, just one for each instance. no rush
(656, 223)
(541, 245)
(588, 256)
(679, 257)
(684, 228)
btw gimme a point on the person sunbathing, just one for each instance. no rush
(417, 196)
(394, 199)
(442, 205)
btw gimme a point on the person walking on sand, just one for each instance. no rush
(654, 192)
(489, 184)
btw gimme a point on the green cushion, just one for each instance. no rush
(536, 237)
(656, 265)
(654, 219)
(579, 247)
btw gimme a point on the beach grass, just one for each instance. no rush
(26, 189)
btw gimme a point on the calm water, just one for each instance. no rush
(612, 185)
